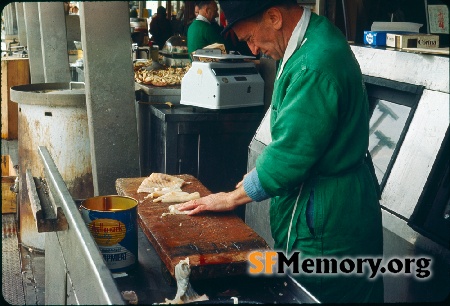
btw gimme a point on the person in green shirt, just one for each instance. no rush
(204, 31)
(323, 190)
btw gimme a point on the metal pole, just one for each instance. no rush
(426, 16)
(345, 19)
(141, 9)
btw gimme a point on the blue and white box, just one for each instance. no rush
(375, 38)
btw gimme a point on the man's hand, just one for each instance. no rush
(216, 202)
(212, 202)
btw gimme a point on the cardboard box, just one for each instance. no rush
(15, 71)
(425, 41)
(396, 27)
(7, 166)
(9, 175)
(375, 38)
(9, 204)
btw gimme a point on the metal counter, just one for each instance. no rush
(76, 273)
(155, 91)
(211, 145)
(147, 95)
(152, 283)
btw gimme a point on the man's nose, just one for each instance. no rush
(253, 48)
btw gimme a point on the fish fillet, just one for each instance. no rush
(158, 193)
(160, 183)
(177, 197)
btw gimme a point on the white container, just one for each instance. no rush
(51, 115)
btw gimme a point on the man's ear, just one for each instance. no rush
(208, 9)
(274, 17)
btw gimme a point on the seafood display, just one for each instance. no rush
(144, 73)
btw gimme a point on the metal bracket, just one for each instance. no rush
(48, 216)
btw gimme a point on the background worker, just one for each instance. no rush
(191, 19)
(196, 9)
(160, 28)
(323, 190)
(202, 32)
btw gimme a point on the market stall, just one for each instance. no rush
(140, 110)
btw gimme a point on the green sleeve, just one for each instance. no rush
(303, 120)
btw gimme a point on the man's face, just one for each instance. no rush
(196, 10)
(212, 11)
(260, 37)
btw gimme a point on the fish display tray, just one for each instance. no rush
(217, 244)
(175, 55)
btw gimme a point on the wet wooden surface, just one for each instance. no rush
(217, 244)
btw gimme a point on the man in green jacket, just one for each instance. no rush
(324, 199)
(204, 31)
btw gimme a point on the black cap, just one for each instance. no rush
(239, 10)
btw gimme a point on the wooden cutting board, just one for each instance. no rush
(217, 244)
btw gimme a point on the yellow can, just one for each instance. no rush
(112, 222)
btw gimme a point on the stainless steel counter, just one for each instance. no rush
(151, 90)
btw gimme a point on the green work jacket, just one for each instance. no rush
(201, 34)
(320, 130)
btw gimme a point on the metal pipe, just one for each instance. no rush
(426, 16)
(345, 19)
(141, 8)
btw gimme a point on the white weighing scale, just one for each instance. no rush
(227, 81)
